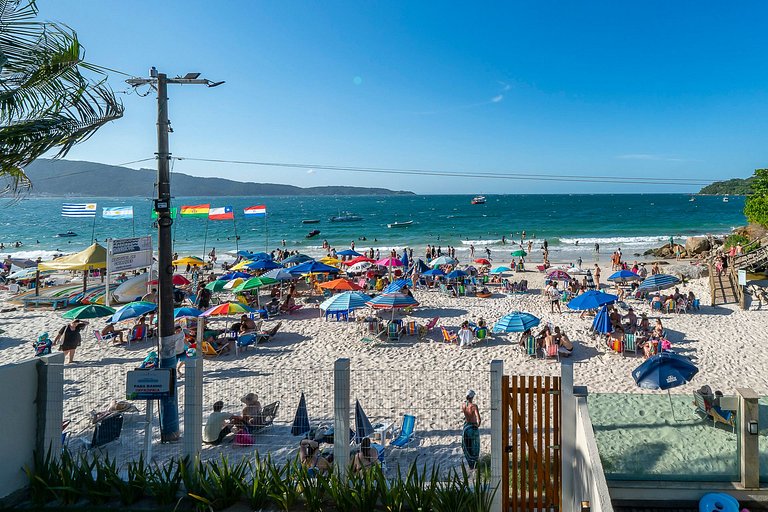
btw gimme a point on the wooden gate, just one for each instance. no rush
(532, 472)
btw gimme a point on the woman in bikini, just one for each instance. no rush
(366, 457)
(312, 459)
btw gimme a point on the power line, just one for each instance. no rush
(469, 174)
(75, 173)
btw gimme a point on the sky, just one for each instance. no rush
(654, 89)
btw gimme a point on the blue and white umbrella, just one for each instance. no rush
(591, 299)
(435, 272)
(133, 310)
(443, 260)
(279, 274)
(602, 323)
(345, 301)
(658, 282)
(263, 265)
(348, 252)
(397, 285)
(455, 274)
(623, 276)
(392, 301)
(310, 267)
(516, 321)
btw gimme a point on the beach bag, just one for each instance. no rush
(617, 346)
(666, 345)
(243, 438)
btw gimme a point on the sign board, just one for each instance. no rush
(742, 277)
(129, 253)
(150, 384)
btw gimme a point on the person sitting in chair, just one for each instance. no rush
(217, 427)
(366, 457)
(273, 308)
(110, 333)
(312, 459)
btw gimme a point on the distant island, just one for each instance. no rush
(733, 187)
(91, 179)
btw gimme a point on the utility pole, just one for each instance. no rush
(169, 407)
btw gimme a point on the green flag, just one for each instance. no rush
(174, 213)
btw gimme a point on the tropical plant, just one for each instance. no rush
(257, 489)
(50, 98)
(756, 206)
(220, 485)
(164, 482)
(283, 490)
(132, 488)
(43, 476)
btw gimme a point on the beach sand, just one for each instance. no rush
(428, 379)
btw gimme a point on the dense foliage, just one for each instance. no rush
(756, 207)
(734, 187)
(47, 103)
(85, 481)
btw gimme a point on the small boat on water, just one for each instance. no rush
(68, 234)
(345, 217)
(312, 233)
(725, 199)
(400, 224)
(692, 199)
(478, 200)
(310, 221)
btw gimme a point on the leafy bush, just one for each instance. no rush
(734, 240)
(756, 206)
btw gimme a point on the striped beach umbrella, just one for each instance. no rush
(392, 301)
(89, 311)
(228, 309)
(443, 260)
(346, 301)
(397, 285)
(658, 282)
(516, 321)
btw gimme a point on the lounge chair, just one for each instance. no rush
(106, 430)
(449, 337)
(394, 331)
(707, 405)
(630, 344)
(553, 351)
(268, 414)
(411, 328)
(682, 306)
(210, 351)
(406, 434)
(245, 341)
(265, 336)
(531, 347)
(426, 329)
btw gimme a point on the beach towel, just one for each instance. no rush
(42, 345)
(470, 443)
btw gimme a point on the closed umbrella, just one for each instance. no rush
(404, 259)
(133, 310)
(363, 427)
(665, 371)
(516, 321)
(590, 281)
(658, 282)
(89, 311)
(300, 424)
(622, 276)
(346, 301)
(591, 299)
(602, 323)
(421, 267)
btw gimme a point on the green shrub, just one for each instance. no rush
(734, 240)
(164, 483)
(257, 489)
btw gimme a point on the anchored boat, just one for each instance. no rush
(345, 217)
(400, 224)
(478, 200)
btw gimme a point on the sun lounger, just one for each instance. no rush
(406, 434)
(210, 351)
(712, 407)
(449, 337)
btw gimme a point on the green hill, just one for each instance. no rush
(733, 187)
(90, 179)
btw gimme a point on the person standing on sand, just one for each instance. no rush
(597, 276)
(71, 338)
(470, 439)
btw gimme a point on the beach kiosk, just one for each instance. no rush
(92, 258)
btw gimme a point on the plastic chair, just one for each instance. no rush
(630, 344)
(406, 434)
(531, 347)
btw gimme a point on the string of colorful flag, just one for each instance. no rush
(89, 210)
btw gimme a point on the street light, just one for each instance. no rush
(169, 409)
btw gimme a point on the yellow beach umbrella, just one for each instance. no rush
(189, 260)
(329, 261)
(233, 283)
(242, 264)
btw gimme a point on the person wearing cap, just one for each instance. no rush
(470, 439)
(217, 426)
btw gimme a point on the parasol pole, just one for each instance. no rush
(669, 395)
(93, 228)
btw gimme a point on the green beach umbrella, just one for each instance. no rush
(216, 286)
(519, 253)
(89, 311)
(254, 283)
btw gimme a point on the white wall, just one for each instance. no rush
(589, 479)
(22, 428)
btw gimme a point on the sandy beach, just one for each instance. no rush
(427, 379)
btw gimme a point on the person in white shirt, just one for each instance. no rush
(465, 335)
(217, 427)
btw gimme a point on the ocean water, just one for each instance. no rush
(571, 224)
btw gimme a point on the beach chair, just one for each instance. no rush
(553, 351)
(669, 307)
(394, 331)
(411, 328)
(245, 341)
(138, 333)
(106, 430)
(707, 406)
(531, 347)
(682, 306)
(424, 330)
(656, 305)
(406, 434)
(266, 418)
(630, 344)
(265, 336)
(481, 333)
(210, 351)
(449, 337)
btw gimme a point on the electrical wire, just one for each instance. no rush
(75, 173)
(469, 174)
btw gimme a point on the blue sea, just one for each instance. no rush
(571, 224)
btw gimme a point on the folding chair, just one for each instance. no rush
(630, 344)
(406, 434)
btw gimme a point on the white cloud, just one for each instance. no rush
(497, 98)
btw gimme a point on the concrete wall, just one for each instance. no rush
(29, 415)
(589, 480)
